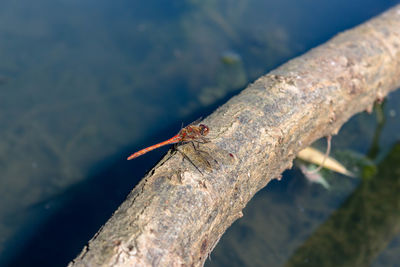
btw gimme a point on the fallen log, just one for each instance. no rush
(177, 213)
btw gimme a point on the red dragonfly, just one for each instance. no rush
(188, 134)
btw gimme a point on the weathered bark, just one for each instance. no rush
(176, 215)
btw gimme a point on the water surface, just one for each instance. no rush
(84, 83)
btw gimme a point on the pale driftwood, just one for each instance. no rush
(176, 215)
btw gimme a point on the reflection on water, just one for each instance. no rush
(357, 232)
(82, 80)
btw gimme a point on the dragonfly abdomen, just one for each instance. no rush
(173, 140)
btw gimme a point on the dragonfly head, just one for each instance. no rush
(204, 129)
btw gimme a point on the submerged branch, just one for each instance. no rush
(362, 227)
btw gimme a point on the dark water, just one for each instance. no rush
(83, 83)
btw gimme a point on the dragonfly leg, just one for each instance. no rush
(174, 149)
(186, 157)
(199, 141)
(199, 151)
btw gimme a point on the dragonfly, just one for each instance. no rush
(190, 133)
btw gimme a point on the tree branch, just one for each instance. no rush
(176, 215)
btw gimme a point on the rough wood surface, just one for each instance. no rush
(176, 215)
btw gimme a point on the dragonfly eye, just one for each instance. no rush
(204, 129)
